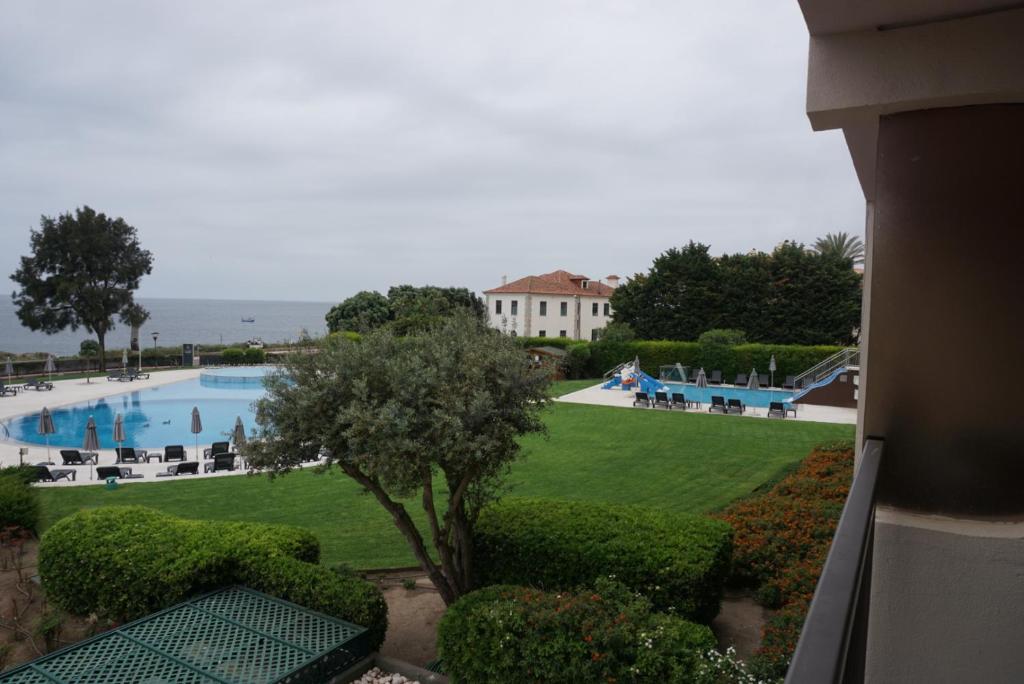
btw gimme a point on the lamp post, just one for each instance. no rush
(155, 335)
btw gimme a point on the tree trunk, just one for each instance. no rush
(101, 337)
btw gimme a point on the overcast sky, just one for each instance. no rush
(307, 150)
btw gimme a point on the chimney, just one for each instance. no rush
(613, 281)
(504, 280)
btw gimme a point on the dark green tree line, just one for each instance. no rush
(406, 309)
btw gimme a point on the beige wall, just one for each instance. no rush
(553, 323)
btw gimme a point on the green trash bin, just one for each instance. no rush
(111, 482)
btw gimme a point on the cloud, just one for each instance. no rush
(308, 150)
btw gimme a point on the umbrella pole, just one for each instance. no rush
(47, 448)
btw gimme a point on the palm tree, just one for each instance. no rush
(842, 245)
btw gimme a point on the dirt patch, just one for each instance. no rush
(29, 626)
(413, 615)
(739, 624)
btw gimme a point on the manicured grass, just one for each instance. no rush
(684, 462)
(563, 387)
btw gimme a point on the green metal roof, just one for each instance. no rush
(231, 636)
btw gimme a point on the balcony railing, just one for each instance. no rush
(833, 643)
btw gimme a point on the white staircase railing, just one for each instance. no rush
(841, 359)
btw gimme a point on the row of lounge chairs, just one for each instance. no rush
(719, 404)
(742, 379)
(38, 385)
(221, 462)
(127, 375)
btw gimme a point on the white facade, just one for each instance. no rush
(538, 314)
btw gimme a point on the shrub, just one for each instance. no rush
(725, 337)
(559, 342)
(233, 356)
(678, 561)
(577, 361)
(782, 540)
(254, 355)
(19, 501)
(125, 562)
(607, 634)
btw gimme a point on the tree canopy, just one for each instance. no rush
(791, 296)
(83, 270)
(406, 308)
(434, 415)
(842, 246)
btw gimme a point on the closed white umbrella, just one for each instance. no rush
(752, 380)
(91, 441)
(197, 427)
(771, 369)
(9, 369)
(119, 435)
(46, 428)
(49, 367)
(702, 378)
(124, 360)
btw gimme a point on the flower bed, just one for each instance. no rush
(782, 540)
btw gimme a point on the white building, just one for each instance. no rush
(558, 304)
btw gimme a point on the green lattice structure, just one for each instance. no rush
(232, 636)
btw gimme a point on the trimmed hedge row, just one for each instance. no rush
(680, 562)
(19, 501)
(124, 562)
(607, 634)
(235, 356)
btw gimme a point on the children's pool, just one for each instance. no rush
(157, 416)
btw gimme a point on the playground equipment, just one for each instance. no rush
(628, 377)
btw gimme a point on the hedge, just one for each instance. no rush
(559, 342)
(605, 634)
(790, 359)
(124, 562)
(680, 562)
(19, 501)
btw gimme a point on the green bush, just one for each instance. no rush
(19, 501)
(680, 562)
(124, 562)
(607, 634)
(559, 342)
(578, 361)
(233, 356)
(726, 337)
(254, 355)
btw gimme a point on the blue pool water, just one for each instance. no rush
(758, 398)
(157, 416)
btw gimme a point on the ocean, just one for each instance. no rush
(199, 321)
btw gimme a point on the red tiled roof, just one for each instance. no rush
(556, 283)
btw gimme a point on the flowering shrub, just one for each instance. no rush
(725, 668)
(678, 561)
(782, 540)
(513, 634)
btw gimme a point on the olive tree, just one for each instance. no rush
(433, 417)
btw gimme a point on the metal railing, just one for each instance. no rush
(833, 642)
(843, 358)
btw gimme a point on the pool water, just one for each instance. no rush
(156, 416)
(759, 398)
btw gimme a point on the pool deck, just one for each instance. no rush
(619, 398)
(66, 392)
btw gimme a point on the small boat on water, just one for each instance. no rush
(248, 319)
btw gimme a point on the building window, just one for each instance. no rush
(561, 333)
(594, 334)
(584, 284)
(543, 308)
(593, 310)
(515, 306)
(565, 310)
(607, 309)
(543, 333)
(497, 307)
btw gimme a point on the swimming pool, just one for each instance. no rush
(156, 416)
(759, 398)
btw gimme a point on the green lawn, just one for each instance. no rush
(683, 462)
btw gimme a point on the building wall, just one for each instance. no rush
(944, 337)
(553, 323)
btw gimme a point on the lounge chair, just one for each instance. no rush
(741, 380)
(117, 376)
(184, 468)
(762, 379)
(174, 452)
(135, 374)
(7, 390)
(216, 448)
(126, 455)
(717, 404)
(220, 462)
(641, 399)
(39, 385)
(661, 399)
(104, 472)
(47, 474)
(735, 406)
(75, 457)
(776, 409)
(790, 382)
(679, 401)
(715, 378)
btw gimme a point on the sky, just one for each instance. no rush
(309, 150)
